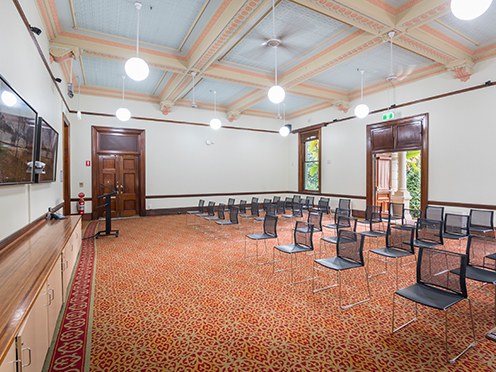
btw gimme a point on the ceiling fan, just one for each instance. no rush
(402, 74)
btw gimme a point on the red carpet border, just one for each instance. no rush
(70, 346)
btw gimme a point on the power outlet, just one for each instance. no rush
(149, 206)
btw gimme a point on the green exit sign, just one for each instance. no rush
(388, 116)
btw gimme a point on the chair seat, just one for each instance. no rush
(260, 236)
(225, 223)
(425, 244)
(337, 263)
(454, 236)
(259, 218)
(373, 234)
(430, 296)
(391, 252)
(192, 212)
(305, 230)
(333, 239)
(202, 215)
(291, 216)
(292, 248)
(491, 256)
(213, 218)
(480, 229)
(478, 274)
(246, 215)
(364, 221)
(331, 226)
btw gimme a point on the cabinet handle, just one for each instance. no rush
(49, 298)
(53, 294)
(28, 349)
(66, 264)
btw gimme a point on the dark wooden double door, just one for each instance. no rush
(121, 173)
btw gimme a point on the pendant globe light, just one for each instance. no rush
(469, 9)
(215, 123)
(123, 114)
(276, 92)
(286, 128)
(362, 110)
(136, 68)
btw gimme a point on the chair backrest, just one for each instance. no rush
(288, 203)
(201, 206)
(233, 215)
(482, 219)
(221, 211)
(211, 208)
(376, 223)
(350, 246)
(346, 223)
(280, 207)
(270, 209)
(242, 206)
(230, 203)
(266, 202)
(396, 211)
(434, 213)
(296, 199)
(442, 269)
(253, 199)
(276, 199)
(400, 237)
(429, 231)
(373, 211)
(303, 234)
(297, 209)
(338, 212)
(478, 248)
(323, 205)
(344, 204)
(315, 219)
(410, 216)
(270, 225)
(457, 224)
(255, 209)
(309, 201)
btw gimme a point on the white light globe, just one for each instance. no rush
(361, 110)
(9, 99)
(467, 10)
(137, 69)
(276, 94)
(215, 124)
(123, 114)
(284, 131)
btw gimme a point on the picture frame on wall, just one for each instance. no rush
(18, 122)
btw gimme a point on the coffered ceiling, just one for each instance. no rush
(324, 44)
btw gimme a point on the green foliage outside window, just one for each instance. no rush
(312, 165)
(413, 178)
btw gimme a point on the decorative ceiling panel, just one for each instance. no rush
(106, 73)
(375, 62)
(293, 103)
(299, 29)
(164, 22)
(226, 92)
(480, 30)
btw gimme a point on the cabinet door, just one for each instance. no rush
(9, 363)
(32, 340)
(54, 288)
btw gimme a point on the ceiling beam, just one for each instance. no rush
(420, 12)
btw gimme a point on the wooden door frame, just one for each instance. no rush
(424, 159)
(140, 133)
(66, 164)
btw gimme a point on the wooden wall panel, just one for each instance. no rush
(382, 138)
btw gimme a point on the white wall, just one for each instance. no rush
(23, 68)
(178, 161)
(462, 130)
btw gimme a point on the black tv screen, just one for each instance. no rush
(46, 164)
(17, 137)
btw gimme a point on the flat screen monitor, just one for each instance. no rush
(17, 137)
(46, 164)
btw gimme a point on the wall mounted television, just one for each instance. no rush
(46, 152)
(17, 137)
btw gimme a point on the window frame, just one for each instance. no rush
(303, 138)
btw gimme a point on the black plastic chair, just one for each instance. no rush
(276, 199)
(264, 205)
(410, 217)
(481, 266)
(233, 221)
(377, 228)
(349, 255)
(434, 213)
(296, 199)
(220, 214)
(242, 207)
(428, 233)
(253, 200)
(456, 228)
(302, 237)
(254, 213)
(343, 204)
(372, 212)
(230, 204)
(308, 204)
(399, 244)
(200, 210)
(288, 203)
(280, 208)
(343, 223)
(323, 206)
(297, 213)
(437, 287)
(396, 212)
(270, 232)
(210, 212)
(481, 222)
(336, 214)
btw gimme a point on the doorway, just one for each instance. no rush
(118, 157)
(406, 136)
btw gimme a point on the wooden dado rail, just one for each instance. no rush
(25, 267)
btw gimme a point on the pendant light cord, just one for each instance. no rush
(138, 6)
(391, 52)
(193, 86)
(283, 113)
(123, 81)
(361, 94)
(79, 93)
(215, 104)
(274, 35)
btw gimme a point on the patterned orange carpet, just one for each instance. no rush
(170, 298)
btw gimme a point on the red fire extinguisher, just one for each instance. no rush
(81, 203)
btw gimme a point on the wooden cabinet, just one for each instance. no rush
(53, 287)
(9, 363)
(68, 259)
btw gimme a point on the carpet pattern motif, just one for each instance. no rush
(70, 345)
(170, 298)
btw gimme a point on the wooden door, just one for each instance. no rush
(383, 181)
(120, 173)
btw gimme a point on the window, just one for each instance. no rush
(309, 178)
